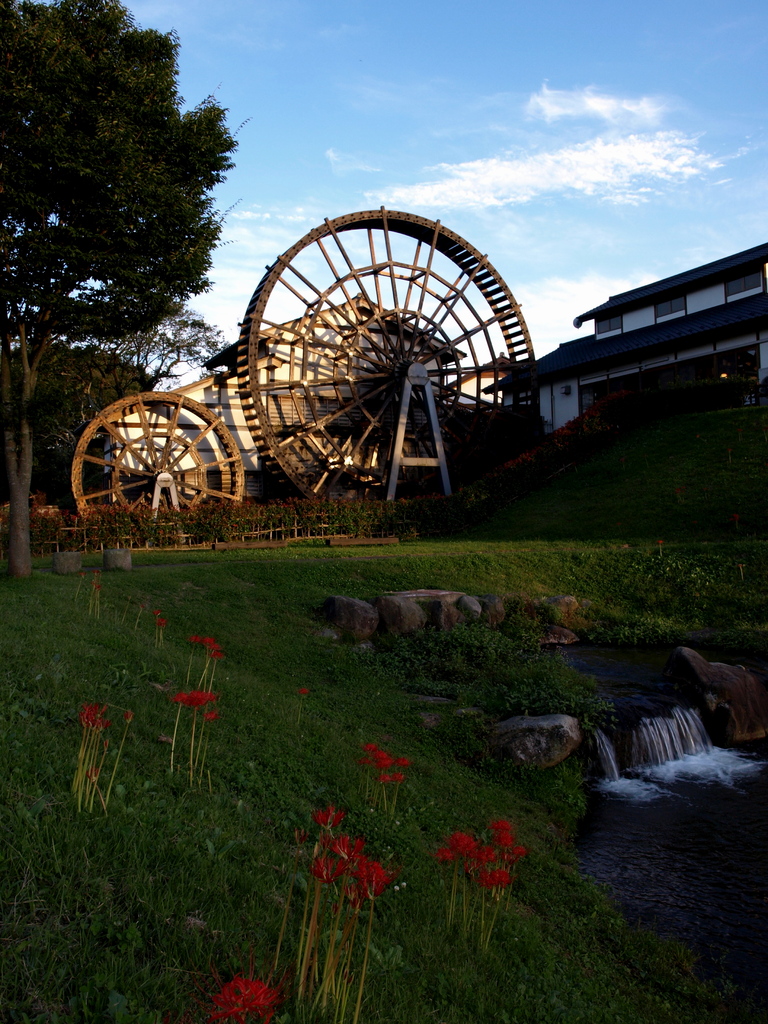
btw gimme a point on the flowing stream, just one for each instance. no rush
(676, 827)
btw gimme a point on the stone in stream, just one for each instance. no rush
(733, 700)
(558, 635)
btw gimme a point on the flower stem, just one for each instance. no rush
(359, 1002)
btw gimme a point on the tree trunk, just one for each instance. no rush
(18, 465)
(17, 440)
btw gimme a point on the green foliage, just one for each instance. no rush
(486, 668)
(106, 205)
(106, 211)
(695, 477)
(121, 917)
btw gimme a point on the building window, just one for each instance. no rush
(604, 326)
(254, 484)
(591, 393)
(744, 284)
(741, 362)
(671, 306)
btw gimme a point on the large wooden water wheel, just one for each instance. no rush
(156, 448)
(371, 354)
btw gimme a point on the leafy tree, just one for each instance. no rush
(146, 360)
(78, 380)
(107, 221)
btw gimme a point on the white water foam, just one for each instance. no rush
(717, 765)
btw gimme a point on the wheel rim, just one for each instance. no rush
(142, 446)
(334, 327)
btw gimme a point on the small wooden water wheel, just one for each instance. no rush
(371, 354)
(158, 448)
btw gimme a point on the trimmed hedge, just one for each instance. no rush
(119, 526)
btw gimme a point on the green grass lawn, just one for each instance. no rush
(126, 917)
(678, 479)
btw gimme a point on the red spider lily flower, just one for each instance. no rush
(92, 774)
(303, 691)
(462, 844)
(383, 777)
(499, 826)
(372, 877)
(503, 835)
(195, 639)
(327, 869)
(195, 698)
(211, 716)
(215, 653)
(208, 641)
(242, 996)
(156, 611)
(481, 857)
(347, 848)
(370, 747)
(498, 878)
(128, 716)
(355, 895)
(301, 836)
(444, 855)
(90, 716)
(402, 762)
(383, 760)
(329, 818)
(162, 623)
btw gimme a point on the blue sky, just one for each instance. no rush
(585, 147)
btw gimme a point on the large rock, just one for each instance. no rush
(733, 701)
(356, 617)
(565, 603)
(541, 740)
(558, 635)
(493, 608)
(399, 614)
(444, 615)
(470, 607)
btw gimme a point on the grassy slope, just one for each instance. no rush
(96, 910)
(678, 479)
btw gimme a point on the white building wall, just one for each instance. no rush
(224, 400)
(705, 298)
(639, 318)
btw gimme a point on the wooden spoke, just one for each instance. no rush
(381, 341)
(146, 436)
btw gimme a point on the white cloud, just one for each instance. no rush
(622, 170)
(251, 240)
(343, 163)
(549, 304)
(551, 104)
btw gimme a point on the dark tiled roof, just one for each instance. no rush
(227, 357)
(744, 314)
(708, 274)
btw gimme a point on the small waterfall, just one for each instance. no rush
(606, 755)
(652, 740)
